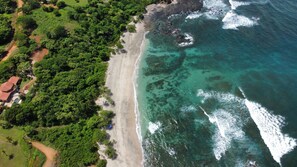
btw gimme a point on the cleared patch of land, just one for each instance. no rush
(48, 21)
(25, 87)
(39, 55)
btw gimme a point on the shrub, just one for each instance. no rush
(57, 33)
(53, 2)
(57, 13)
(27, 22)
(6, 125)
(61, 4)
(131, 28)
(21, 38)
(101, 163)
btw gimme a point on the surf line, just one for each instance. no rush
(270, 126)
(214, 120)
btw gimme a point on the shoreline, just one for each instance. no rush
(143, 46)
(121, 78)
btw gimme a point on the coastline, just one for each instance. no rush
(120, 80)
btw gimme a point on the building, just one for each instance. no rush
(7, 89)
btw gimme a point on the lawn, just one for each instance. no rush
(75, 3)
(24, 154)
(20, 157)
(48, 21)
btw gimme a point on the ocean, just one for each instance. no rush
(218, 86)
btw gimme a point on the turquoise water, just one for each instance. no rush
(228, 99)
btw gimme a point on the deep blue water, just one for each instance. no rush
(229, 99)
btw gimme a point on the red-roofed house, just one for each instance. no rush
(15, 80)
(8, 88)
(4, 96)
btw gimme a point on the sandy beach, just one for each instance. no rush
(120, 77)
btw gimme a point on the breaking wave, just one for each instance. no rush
(236, 4)
(270, 126)
(227, 130)
(218, 10)
(153, 127)
(230, 125)
(233, 21)
(188, 40)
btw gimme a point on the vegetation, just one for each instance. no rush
(12, 154)
(70, 76)
(7, 6)
(77, 142)
(61, 4)
(80, 36)
(27, 23)
(30, 5)
(6, 30)
(131, 28)
(36, 158)
(49, 20)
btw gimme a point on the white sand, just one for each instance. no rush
(120, 78)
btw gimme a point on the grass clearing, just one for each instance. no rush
(24, 154)
(76, 2)
(48, 21)
(20, 157)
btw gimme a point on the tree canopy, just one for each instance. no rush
(7, 6)
(6, 30)
(71, 76)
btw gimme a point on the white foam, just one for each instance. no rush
(217, 10)
(171, 151)
(236, 4)
(194, 15)
(229, 127)
(173, 16)
(233, 21)
(209, 4)
(213, 10)
(190, 40)
(221, 97)
(209, 117)
(270, 126)
(153, 127)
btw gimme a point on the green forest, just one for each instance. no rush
(80, 35)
